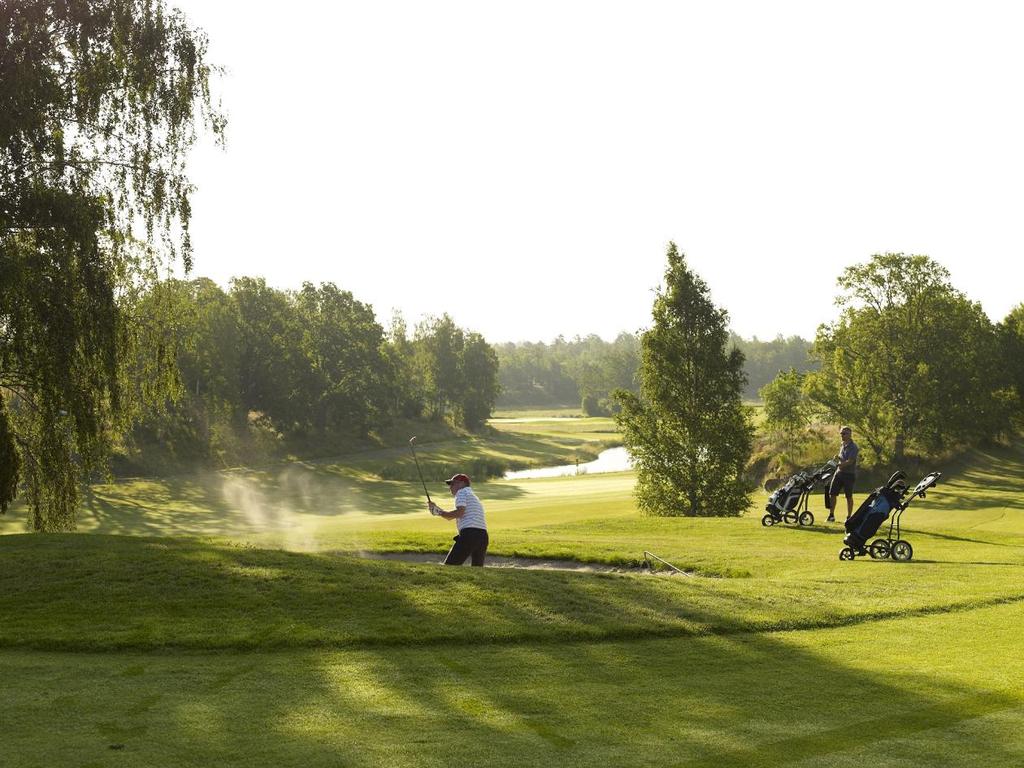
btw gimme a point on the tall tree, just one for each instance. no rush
(100, 101)
(687, 430)
(784, 406)
(408, 389)
(10, 461)
(351, 378)
(909, 362)
(458, 370)
(439, 346)
(480, 368)
(274, 370)
(1011, 354)
(207, 405)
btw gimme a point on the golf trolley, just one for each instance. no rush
(789, 502)
(893, 498)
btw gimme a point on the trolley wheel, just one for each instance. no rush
(879, 549)
(902, 551)
(790, 516)
(807, 519)
(846, 553)
(767, 521)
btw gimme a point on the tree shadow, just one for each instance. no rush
(959, 562)
(951, 537)
(717, 696)
(815, 529)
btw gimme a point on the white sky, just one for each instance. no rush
(522, 165)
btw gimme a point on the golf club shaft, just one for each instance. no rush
(418, 471)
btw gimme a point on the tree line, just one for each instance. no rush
(312, 366)
(582, 372)
(586, 371)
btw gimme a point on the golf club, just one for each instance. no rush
(412, 447)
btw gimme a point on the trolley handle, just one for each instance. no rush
(929, 481)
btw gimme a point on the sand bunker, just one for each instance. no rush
(529, 563)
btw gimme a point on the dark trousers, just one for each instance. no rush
(471, 542)
(842, 482)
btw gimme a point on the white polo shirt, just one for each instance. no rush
(474, 517)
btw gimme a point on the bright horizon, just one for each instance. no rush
(523, 167)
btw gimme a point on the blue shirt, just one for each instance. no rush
(849, 451)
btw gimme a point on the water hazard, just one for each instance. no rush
(610, 460)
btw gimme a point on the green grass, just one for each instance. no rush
(539, 412)
(221, 620)
(931, 694)
(126, 593)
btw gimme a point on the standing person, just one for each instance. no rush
(846, 473)
(468, 515)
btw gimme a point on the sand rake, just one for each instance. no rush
(649, 556)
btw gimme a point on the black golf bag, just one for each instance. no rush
(890, 501)
(789, 502)
(825, 475)
(874, 511)
(786, 497)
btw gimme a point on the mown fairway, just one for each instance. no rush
(144, 645)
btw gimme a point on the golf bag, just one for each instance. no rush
(889, 501)
(789, 502)
(874, 511)
(824, 477)
(786, 497)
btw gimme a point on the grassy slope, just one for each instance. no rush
(102, 593)
(218, 653)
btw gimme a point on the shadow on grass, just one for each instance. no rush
(959, 562)
(721, 699)
(839, 531)
(965, 539)
(815, 529)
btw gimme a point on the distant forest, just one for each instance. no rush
(585, 371)
(263, 372)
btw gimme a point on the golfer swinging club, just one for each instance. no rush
(469, 519)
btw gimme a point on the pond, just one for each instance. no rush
(610, 460)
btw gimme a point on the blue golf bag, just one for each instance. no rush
(888, 502)
(873, 511)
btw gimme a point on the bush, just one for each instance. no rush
(593, 406)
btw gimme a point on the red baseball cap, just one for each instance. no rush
(458, 478)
